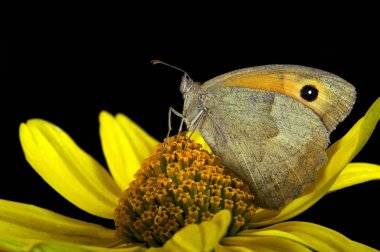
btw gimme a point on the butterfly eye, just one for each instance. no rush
(309, 93)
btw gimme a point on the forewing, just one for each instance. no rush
(335, 95)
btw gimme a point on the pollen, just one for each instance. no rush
(177, 187)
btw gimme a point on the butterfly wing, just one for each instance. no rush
(259, 121)
(262, 136)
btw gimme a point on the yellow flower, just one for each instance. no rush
(85, 183)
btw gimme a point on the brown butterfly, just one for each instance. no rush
(269, 124)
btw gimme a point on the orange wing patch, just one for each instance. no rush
(287, 83)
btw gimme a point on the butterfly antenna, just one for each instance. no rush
(155, 62)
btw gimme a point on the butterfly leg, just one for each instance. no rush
(192, 126)
(175, 112)
(172, 110)
(195, 123)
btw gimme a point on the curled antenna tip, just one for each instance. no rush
(155, 61)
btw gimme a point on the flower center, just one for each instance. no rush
(175, 188)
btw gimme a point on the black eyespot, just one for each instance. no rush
(309, 93)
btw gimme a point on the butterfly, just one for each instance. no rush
(269, 124)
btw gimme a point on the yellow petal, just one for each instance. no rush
(346, 148)
(202, 237)
(318, 237)
(125, 146)
(294, 236)
(213, 231)
(261, 244)
(35, 245)
(199, 139)
(140, 138)
(268, 240)
(222, 248)
(68, 169)
(31, 222)
(340, 154)
(356, 173)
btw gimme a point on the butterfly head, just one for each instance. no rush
(186, 84)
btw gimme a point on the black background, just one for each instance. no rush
(67, 74)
